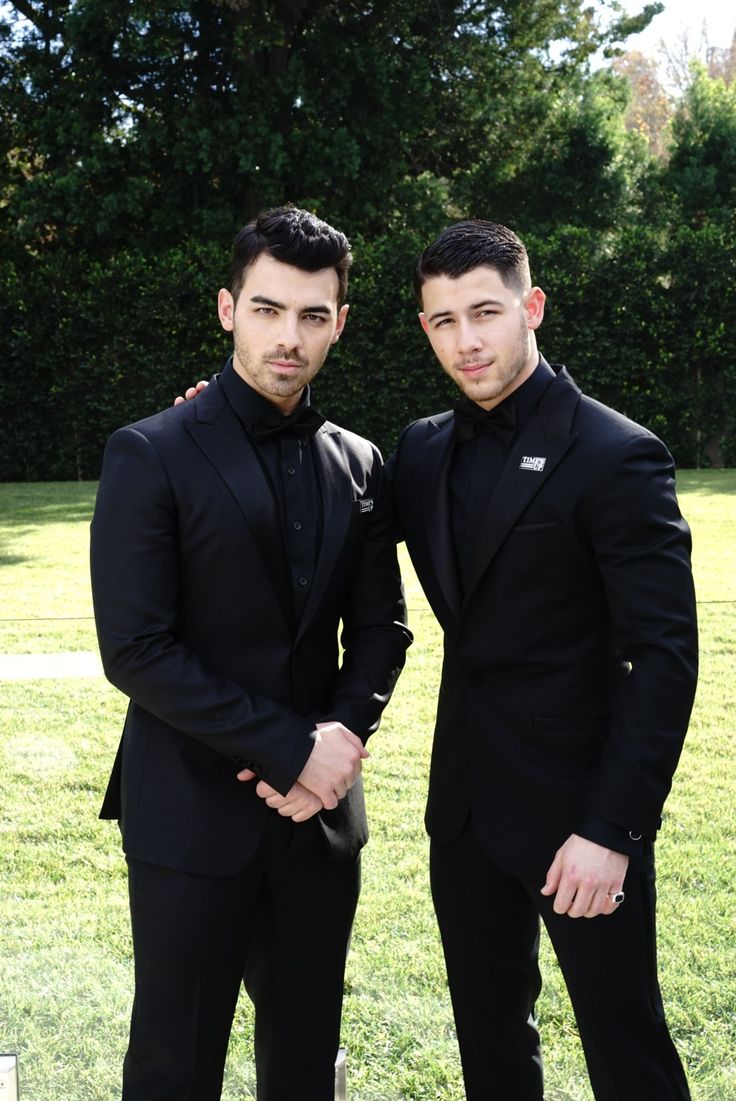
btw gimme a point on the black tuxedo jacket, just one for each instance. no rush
(570, 660)
(194, 625)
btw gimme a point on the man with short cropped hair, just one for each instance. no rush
(545, 531)
(231, 537)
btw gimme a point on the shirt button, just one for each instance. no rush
(297, 525)
(303, 581)
(290, 470)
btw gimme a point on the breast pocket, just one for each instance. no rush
(537, 534)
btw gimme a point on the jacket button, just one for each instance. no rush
(634, 836)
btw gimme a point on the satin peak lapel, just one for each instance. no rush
(220, 435)
(333, 473)
(543, 443)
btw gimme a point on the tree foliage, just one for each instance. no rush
(701, 172)
(136, 136)
(148, 119)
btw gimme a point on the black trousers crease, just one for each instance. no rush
(282, 926)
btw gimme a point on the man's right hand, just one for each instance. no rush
(334, 764)
(191, 392)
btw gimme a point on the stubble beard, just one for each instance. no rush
(259, 374)
(493, 386)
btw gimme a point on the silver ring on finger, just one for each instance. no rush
(616, 897)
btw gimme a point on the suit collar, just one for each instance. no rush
(526, 398)
(247, 403)
(213, 430)
(557, 406)
(219, 434)
(546, 435)
(333, 473)
(542, 444)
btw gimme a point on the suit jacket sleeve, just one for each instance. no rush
(389, 473)
(134, 563)
(642, 546)
(374, 632)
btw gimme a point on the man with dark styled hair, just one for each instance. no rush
(231, 537)
(294, 237)
(545, 531)
(465, 246)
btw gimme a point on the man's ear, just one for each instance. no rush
(423, 323)
(225, 309)
(340, 324)
(534, 300)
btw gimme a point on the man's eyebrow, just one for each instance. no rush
(261, 300)
(474, 306)
(486, 302)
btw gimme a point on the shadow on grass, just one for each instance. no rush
(707, 483)
(41, 503)
(13, 559)
(60, 512)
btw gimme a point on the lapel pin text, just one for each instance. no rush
(532, 462)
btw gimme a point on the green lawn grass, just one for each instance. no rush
(66, 979)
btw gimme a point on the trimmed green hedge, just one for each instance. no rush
(642, 323)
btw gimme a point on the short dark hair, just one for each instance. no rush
(294, 237)
(464, 246)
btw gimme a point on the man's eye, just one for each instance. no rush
(315, 317)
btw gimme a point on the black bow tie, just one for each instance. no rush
(304, 422)
(471, 420)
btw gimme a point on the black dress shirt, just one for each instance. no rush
(288, 465)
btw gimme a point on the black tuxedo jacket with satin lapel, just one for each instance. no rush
(571, 658)
(194, 625)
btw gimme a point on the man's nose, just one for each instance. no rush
(468, 338)
(289, 331)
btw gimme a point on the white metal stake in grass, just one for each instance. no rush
(9, 1077)
(341, 1075)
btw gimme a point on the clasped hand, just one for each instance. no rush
(332, 768)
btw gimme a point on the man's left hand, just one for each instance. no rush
(299, 803)
(583, 877)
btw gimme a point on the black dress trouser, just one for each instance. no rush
(283, 927)
(489, 923)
